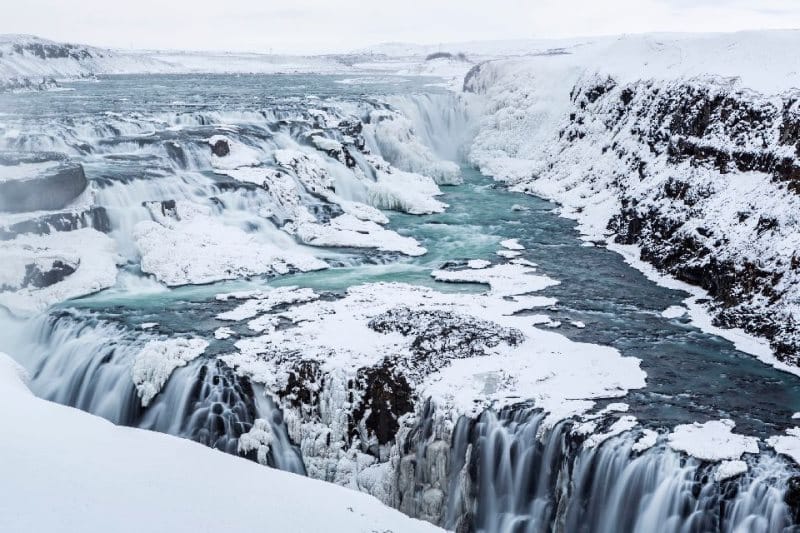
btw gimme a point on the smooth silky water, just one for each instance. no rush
(80, 354)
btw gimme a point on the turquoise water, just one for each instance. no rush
(691, 375)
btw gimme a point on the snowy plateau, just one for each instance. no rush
(511, 286)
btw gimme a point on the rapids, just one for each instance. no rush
(500, 472)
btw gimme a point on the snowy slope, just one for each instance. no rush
(75, 472)
(684, 145)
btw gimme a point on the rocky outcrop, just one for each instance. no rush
(706, 181)
(38, 182)
(94, 217)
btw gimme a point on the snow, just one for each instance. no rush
(407, 192)
(511, 244)
(478, 264)
(730, 469)
(91, 253)
(258, 439)
(509, 254)
(504, 280)
(712, 441)
(26, 170)
(198, 248)
(240, 155)
(91, 61)
(560, 376)
(223, 333)
(156, 361)
(621, 425)
(578, 324)
(95, 483)
(347, 230)
(261, 302)
(646, 441)
(674, 311)
(525, 140)
(788, 444)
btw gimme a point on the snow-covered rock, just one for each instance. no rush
(788, 444)
(193, 247)
(158, 359)
(350, 399)
(40, 270)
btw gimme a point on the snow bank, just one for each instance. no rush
(347, 230)
(262, 302)
(504, 280)
(94, 483)
(561, 376)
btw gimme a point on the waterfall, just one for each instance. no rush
(79, 360)
(499, 472)
(510, 473)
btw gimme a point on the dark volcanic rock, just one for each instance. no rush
(387, 396)
(220, 148)
(439, 336)
(36, 276)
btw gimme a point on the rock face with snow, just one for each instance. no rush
(708, 176)
(38, 181)
(697, 170)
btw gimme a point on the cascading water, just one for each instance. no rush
(500, 472)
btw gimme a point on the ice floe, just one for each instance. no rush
(712, 441)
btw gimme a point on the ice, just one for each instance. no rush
(197, 248)
(261, 302)
(223, 333)
(156, 361)
(478, 263)
(560, 376)
(674, 311)
(504, 280)
(730, 469)
(646, 441)
(511, 244)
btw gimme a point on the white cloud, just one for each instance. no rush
(317, 25)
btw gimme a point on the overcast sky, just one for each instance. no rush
(319, 25)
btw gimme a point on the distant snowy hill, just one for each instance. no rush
(28, 60)
(25, 56)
